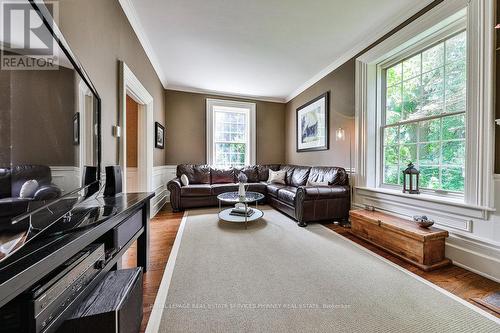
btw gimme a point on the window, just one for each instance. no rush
(230, 133)
(423, 116)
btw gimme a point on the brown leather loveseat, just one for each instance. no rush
(303, 202)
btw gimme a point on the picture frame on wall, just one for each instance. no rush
(159, 136)
(76, 129)
(312, 124)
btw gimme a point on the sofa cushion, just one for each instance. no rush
(332, 175)
(197, 174)
(196, 190)
(222, 176)
(263, 170)
(23, 173)
(324, 192)
(287, 194)
(257, 187)
(223, 188)
(272, 189)
(251, 173)
(299, 176)
(289, 172)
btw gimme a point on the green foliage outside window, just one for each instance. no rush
(425, 116)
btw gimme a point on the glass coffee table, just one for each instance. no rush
(234, 198)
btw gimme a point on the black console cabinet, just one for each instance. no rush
(31, 264)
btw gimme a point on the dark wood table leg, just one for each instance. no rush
(143, 241)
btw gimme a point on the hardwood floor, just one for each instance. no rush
(164, 226)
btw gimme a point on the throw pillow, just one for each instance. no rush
(28, 189)
(311, 183)
(277, 177)
(184, 180)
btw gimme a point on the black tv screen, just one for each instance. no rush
(49, 124)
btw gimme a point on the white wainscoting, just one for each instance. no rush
(161, 176)
(67, 178)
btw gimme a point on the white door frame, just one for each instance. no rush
(131, 86)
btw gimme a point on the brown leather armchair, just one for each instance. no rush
(297, 198)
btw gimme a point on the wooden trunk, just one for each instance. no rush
(423, 247)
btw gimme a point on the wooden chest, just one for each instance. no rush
(423, 247)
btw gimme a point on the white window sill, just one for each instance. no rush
(429, 198)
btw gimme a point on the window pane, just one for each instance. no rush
(452, 179)
(411, 67)
(454, 127)
(433, 88)
(454, 152)
(393, 104)
(429, 153)
(393, 75)
(390, 135)
(391, 175)
(391, 155)
(407, 154)
(433, 57)
(429, 177)
(455, 90)
(430, 130)
(408, 133)
(455, 48)
(411, 96)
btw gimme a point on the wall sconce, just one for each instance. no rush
(340, 134)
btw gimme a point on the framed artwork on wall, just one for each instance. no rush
(76, 129)
(312, 129)
(159, 136)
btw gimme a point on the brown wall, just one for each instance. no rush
(185, 140)
(99, 34)
(340, 83)
(132, 122)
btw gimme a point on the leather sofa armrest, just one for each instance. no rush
(47, 192)
(174, 187)
(322, 192)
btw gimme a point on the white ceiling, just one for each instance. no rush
(270, 49)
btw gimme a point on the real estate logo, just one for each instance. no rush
(27, 44)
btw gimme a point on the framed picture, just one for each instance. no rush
(76, 129)
(159, 136)
(312, 124)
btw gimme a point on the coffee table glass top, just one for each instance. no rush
(234, 197)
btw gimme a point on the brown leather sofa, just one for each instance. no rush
(296, 199)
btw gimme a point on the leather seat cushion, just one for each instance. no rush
(272, 189)
(196, 190)
(223, 188)
(287, 194)
(257, 187)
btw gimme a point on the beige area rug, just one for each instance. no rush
(278, 277)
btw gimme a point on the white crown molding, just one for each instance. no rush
(225, 94)
(130, 13)
(370, 39)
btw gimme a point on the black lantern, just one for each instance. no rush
(410, 179)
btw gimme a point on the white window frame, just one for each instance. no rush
(439, 36)
(479, 116)
(251, 127)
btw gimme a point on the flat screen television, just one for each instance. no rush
(49, 127)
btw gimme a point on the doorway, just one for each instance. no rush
(132, 146)
(139, 152)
